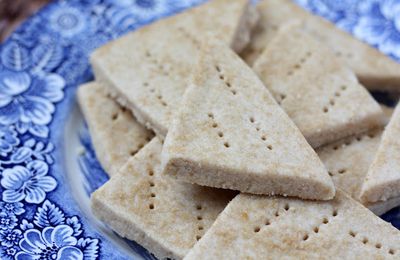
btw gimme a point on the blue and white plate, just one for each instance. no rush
(47, 164)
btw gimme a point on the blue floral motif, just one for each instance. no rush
(27, 99)
(8, 139)
(32, 150)
(8, 253)
(29, 183)
(16, 208)
(7, 221)
(52, 236)
(67, 20)
(379, 24)
(10, 237)
(52, 243)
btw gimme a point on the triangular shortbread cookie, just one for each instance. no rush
(261, 227)
(374, 69)
(383, 179)
(161, 214)
(115, 134)
(230, 133)
(147, 70)
(318, 92)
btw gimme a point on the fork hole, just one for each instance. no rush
(286, 207)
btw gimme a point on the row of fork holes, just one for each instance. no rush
(263, 137)
(152, 185)
(298, 65)
(153, 60)
(189, 36)
(341, 54)
(306, 236)
(215, 125)
(365, 241)
(332, 101)
(225, 80)
(267, 222)
(358, 139)
(316, 229)
(199, 218)
(159, 96)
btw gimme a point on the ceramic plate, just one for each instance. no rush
(47, 164)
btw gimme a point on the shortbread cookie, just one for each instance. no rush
(374, 69)
(319, 93)
(115, 133)
(261, 227)
(230, 133)
(147, 70)
(383, 179)
(164, 216)
(348, 160)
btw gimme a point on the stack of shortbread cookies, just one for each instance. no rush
(234, 131)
